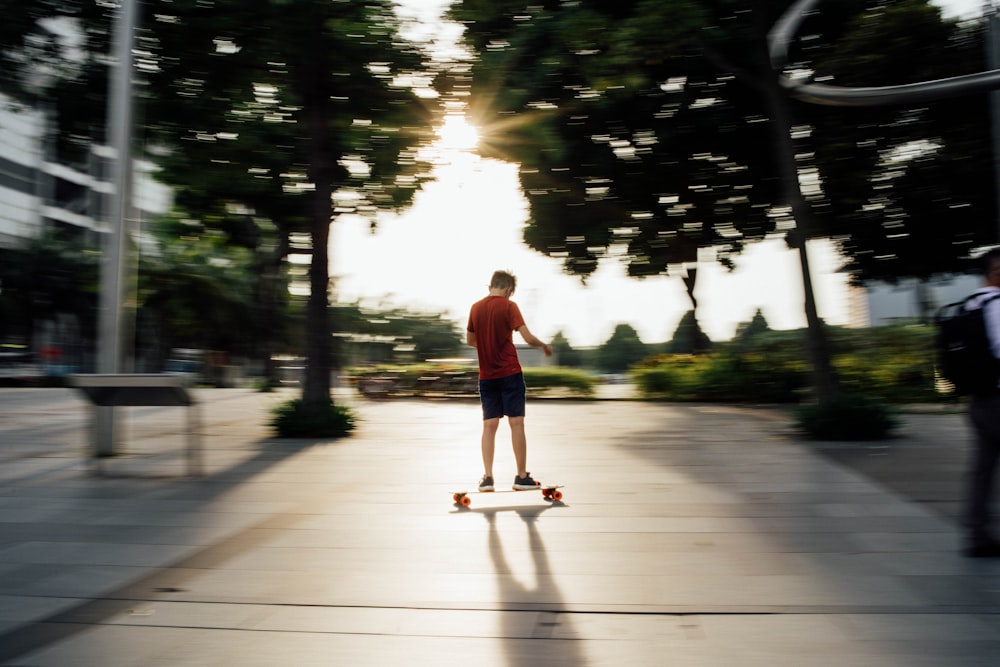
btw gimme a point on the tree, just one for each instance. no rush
(327, 84)
(929, 193)
(195, 291)
(53, 57)
(688, 338)
(623, 349)
(413, 335)
(43, 278)
(757, 325)
(652, 128)
(291, 111)
(564, 353)
(624, 136)
(656, 129)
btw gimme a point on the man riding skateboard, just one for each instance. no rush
(492, 323)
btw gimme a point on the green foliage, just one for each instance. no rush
(893, 364)
(196, 291)
(921, 165)
(731, 374)
(672, 377)
(554, 379)
(621, 350)
(847, 417)
(367, 335)
(276, 114)
(757, 325)
(658, 128)
(295, 419)
(603, 104)
(452, 380)
(44, 277)
(688, 338)
(564, 353)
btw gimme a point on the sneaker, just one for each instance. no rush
(522, 483)
(486, 483)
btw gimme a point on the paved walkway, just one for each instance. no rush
(690, 535)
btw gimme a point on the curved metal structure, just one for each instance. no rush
(817, 93)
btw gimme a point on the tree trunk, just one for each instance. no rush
(315, 94)
(316, 390)
(825, 382)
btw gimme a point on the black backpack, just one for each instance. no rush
(963, 348)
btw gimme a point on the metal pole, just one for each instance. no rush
(113, 292)
(993, 62)
(820, 93)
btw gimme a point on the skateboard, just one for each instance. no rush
(549, 492)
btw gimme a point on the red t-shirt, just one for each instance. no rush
(494, 320)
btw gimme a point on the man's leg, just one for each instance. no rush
(520, 443)
(515, 393)
(982, 471)
(489, 444)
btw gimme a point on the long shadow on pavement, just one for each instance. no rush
(165, 579)
(542, 600)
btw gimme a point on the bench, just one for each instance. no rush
(129, 389)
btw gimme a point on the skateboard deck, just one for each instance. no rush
(549, 492)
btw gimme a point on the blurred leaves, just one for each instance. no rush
(197, 291)
(893, 364)
(643, 133)
(621, 351)
(928, 193)
(287, 113)
(629, 137)
(42, 278)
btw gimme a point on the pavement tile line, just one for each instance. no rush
(719, 507)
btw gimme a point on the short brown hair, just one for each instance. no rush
(503, 280)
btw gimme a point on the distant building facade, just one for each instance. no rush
(910, 300)
(38, 193)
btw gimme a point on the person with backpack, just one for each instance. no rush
(984, 413)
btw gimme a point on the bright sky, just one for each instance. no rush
(438, 256)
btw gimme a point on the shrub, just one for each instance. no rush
(294, 419)
(733, 374)
(576, 382)
(670, 376)
(656, 382)
(737, 375)
(846, 417)
(894, 364)
(437, 379)
(264, 386)
(891, 363)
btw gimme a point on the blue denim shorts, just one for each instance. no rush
(503, 396)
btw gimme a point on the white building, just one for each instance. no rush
(37, 193)
(20, 166)
(880, 303)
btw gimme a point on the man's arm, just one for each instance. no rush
(533, 341)
(470, 338)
